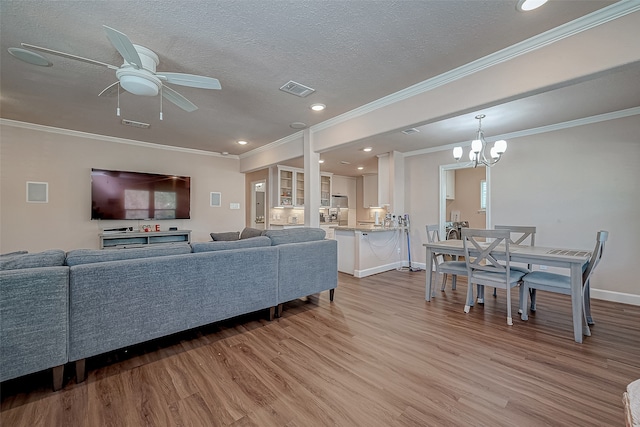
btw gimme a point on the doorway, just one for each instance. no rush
(483, 190)
(258, 204)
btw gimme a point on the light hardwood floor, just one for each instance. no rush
(379, 355)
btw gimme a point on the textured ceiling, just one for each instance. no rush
(351, 52)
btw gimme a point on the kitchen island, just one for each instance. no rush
(363, 251)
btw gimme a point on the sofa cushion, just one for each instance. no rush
(49, 258)
(14, 253)
(295, 235)
(226, 236)
(90, 256)
(249, 232)
(253, 242)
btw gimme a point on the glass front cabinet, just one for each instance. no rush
(290, 189)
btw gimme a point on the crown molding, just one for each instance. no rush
(272, 145)
(599, 17)
(534, 131)
(74, 133)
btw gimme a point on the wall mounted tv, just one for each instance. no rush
(136, 195)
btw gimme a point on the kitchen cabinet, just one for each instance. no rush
(344, 186)
(299, 188)
(290, 187)
(325, 189)
(370, 191)
(450, 187)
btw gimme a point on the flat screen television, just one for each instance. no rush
(137, 195)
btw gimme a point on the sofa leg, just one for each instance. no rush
(331, 292)
(58, 376)
(81, 373)
(272, 313)
(279, 310)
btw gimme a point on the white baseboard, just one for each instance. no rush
(612, 296)
(379, 269)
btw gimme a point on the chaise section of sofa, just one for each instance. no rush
(307, 263)
(119, 303)
(33, 314)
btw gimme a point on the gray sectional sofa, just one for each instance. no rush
(96, 301)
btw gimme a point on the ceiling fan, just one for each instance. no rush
(137, 75)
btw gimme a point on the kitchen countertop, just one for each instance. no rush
(369, 229)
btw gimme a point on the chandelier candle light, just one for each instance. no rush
(477, 154)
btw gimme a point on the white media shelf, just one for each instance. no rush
(132, 239)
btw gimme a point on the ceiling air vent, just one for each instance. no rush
(135, 124)
(410, 131)
(297, 89)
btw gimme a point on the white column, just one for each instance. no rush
(311, 182)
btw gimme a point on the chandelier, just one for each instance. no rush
(477, 154)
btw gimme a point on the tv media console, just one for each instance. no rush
(132, 239)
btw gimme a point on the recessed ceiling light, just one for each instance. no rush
(367, 149)
(318, 107)
(360, 168)
(242, 142)
(320, 161)
(527, 5)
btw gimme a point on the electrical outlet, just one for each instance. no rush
(398, 250)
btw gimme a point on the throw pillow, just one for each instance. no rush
(249, 232)
(226, 237)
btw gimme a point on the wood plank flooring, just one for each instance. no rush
(379, 355)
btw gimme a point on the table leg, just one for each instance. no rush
(576, 300)
(429, 272)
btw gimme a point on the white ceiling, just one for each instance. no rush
(351, 52)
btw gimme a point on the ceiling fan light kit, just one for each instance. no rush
(478, 147)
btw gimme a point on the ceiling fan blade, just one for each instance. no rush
(68, 55)
(190, 80)
(123, 45)
(112, 90)
(179, 100)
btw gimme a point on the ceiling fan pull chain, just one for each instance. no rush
(118, 108)
(160, 102)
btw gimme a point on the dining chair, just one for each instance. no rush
(443, 267)
(487, 255)
(560, 283)
(520, 235)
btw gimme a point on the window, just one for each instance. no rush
(483, 195)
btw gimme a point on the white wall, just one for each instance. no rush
(65, 161)
(569, 183)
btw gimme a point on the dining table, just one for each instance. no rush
(571, 259)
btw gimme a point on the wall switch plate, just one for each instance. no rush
(234, 205)
(543, 267)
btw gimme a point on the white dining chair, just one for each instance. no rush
(524, 235)
(560, 283)
(487, 254)
(455, 268)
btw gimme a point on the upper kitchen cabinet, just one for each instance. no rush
(325, 189)
(344, 186)
(370, 191)
(290, 189)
